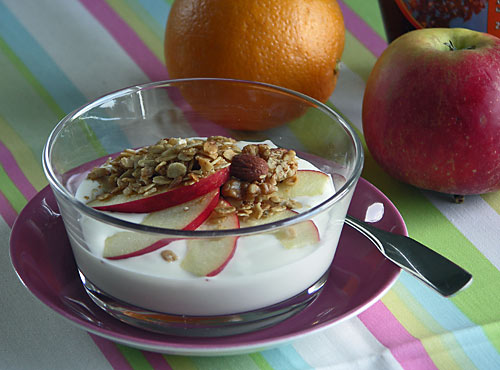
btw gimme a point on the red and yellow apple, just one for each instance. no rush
(164, 198)
(295, 236)
(431, 110)
(186, 216)
(208, 257)
(309, 183)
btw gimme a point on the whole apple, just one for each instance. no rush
(431, 110)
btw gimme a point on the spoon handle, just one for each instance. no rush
(435, 270)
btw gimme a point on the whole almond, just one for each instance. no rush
(249, 167)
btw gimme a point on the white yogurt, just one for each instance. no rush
(261, 273)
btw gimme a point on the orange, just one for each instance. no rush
(291, 43)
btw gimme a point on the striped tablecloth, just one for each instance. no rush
(56, 55)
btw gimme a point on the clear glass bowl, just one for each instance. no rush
(263, 283)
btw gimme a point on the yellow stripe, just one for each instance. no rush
(431, 327)
(180, 362)
(357, 57)
(16, 199)
(432, 343)
(150, 39)
(28, 163)
(157, 28)
(493, 199)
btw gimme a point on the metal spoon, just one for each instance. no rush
(436, 271)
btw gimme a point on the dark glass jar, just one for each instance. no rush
(401, 16)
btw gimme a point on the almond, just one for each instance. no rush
(249, 167)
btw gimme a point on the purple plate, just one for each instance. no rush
(359, 276)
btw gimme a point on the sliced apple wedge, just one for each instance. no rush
(164, 197)
(185, 216)
(309, 183)
(299, 235)
(209, 257)
(295, 236)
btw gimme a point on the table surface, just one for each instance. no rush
(57, 55)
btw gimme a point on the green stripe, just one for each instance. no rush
(13, 195)
(47, 99)
(260, 361)
(180, 362)
(369, 11)
(357, 57)
(134, 357)
(29, 164)
(150, 39)
(31, 79)
(92, 138)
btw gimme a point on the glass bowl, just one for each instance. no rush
(263, 283)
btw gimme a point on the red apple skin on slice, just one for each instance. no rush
(208, 257)
(164, 197)
(309, 183)
(185, 216)
(295, 236)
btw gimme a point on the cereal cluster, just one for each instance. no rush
(252, 190)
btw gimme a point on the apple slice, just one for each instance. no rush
(309, 183)
(295, 236)
(186, 216)
(164, 197)
(209, 257)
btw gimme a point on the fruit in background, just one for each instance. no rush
(186, 216)
(431, 110)
(208, 257)
(291, 43)
(295, 236)
(164, 198)
(309, 183)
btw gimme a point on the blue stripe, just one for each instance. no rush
(285, 358)
(46, 71)
(470, 336)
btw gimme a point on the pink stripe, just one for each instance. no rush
(112, 354)
(14, 172)
(157, 361)
(7, 212)
(362, 31)
(405, 348)
(127, 39)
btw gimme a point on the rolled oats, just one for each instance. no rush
(164, 163)
(173, 162)
(176, 169)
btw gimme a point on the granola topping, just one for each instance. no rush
(252, 189)
(258, 198)
(169, 163)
